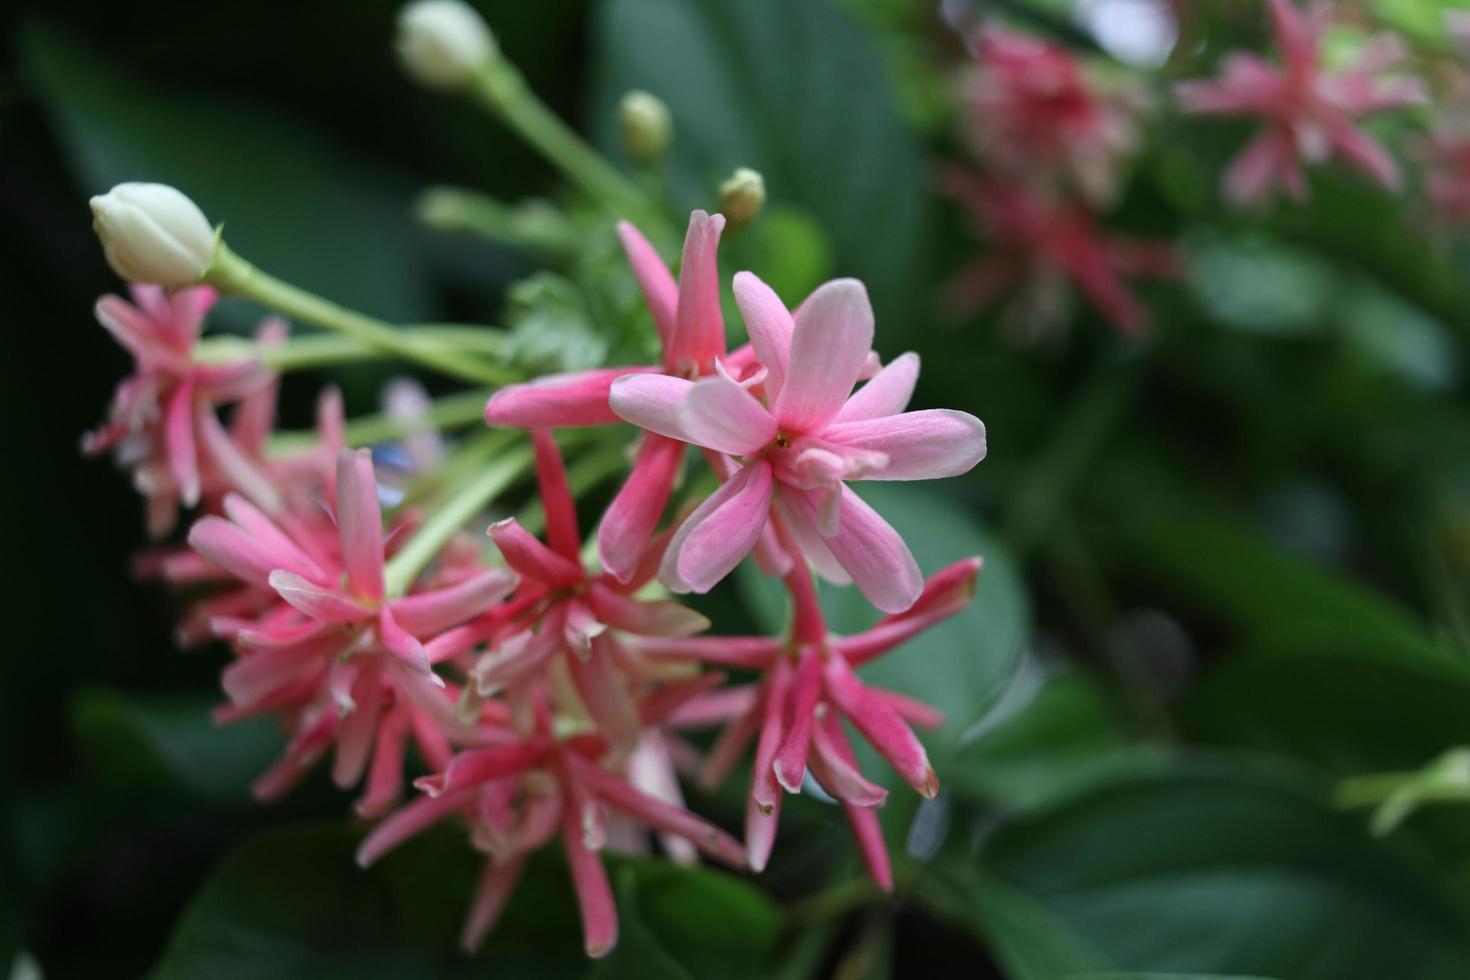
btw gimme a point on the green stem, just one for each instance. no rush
(465, 460)
(502, 89)
(533, 225)
(328, 350)
(446, 521)
(236, 277)
(1370, 789)
(450, 412)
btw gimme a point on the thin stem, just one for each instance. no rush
(837, 900)
(330, 349)
(233, 275)
(502, 89)
(450, 412)
(451, 516)
(583, 475)
(534, 225)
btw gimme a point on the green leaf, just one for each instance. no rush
(1066, 737)
(292, 903)
(1347, 707)
(1423, 19)
(171, 742)
(793, 90)
(1215, 870)
(290, 202)
(1135, 975)
(1271, 594)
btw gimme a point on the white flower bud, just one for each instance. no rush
(442, 43)
(153, 233)
(742, 196)
(646, 125)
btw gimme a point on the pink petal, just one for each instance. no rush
(750, 652)
(429, 613)
(699, 328)
(178, 436)
(720, 532)
(321, 603)
(808, 540)
(407, 822)
(236, 551)
(558, 400)
(1368, 155)
(385, 774)
(605, 693)
(1266, 160)
(356, 734)
(645, 617)
(633, 516)
(801, 706)
(256, 676)
(360, 522)
(726, 752)
(719, 414)
(556, 497)
(888, 392)
(244, 474)
(657, 813)
(769, 324)
(836, 771)
(278, 542)
(497, 883)
(589, 881)
(763, 808)
(870, 550)
(475, 767)
(864, 820)
(531, 558)
(659, 290)
(881, 726)
(829, 348)
(927, 445)
(651, 401)
(409, 651)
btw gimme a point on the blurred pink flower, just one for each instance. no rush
(1309, 112)
(795, 714)
(342, 660)
(162, 422)
(517, 793)
(1038, 245)
(1446, 161)
(800, 441)
(1032, 112)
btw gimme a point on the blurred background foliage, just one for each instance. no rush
(1228, 567)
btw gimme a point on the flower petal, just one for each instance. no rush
(699, 328)
(888, 392)
(501, 875)
(589, 881)
(880, 725)
(769, 324)
(645, 617)
(178, 434)
(558, 400)
(427, 614)
(531, 558)
(763, 808)
(556, 497)
(360, 522)
(927, 445)
(830, 341)
(718, 414)
(659, 289)
(801, 706)
(838, 775)
(720, 532)
(633, 516)
(651, 401)
(321, 603)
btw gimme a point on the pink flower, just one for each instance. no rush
(1309, 113)
(565, 617)
(1446, 158)
(795, 716)
(518, 793)
(691, 330)
(801, 441)
(342, 660)
(1032, 113)
(1039, 244)
(162, 422)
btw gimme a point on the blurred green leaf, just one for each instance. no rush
(1421, 19)
(792, 90)
(1135, 975)
(1255, 285)
(1067, 736)
(171, 743)
(290, 201)
(1224, 871)
(293, 903)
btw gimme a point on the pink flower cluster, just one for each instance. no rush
(1050, 142)
(545, 698)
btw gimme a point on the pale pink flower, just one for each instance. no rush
(795, 715)
(342, 660)
(691, 331)
(563, 614)
(1038, 245)
(163, 422)
(800, 440)
(1309, 112)
(1033, 113)
(518, 793)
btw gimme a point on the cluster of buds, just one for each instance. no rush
(549, 687)
(1050, 140)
